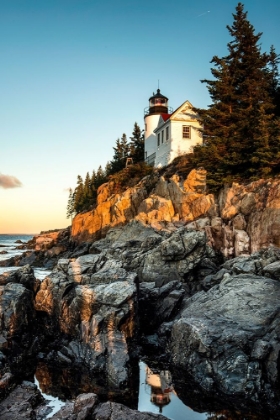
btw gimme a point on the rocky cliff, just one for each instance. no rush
(162, 271)
(240, 220)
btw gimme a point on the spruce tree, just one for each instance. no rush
(121, 152)
(100, 177)
(70, 211)
(238, 124)
(79, 195)
(273, 73)
(136, 144)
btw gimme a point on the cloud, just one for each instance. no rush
(9, 181)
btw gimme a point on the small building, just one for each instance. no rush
(169, 133)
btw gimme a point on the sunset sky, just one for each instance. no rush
(76, 74)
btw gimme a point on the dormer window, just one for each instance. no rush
(186, 133)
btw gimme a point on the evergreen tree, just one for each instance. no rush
(121, 152)
(70, 205)
(238, 124)
(108, 169)
(275, 79)
(100, 177)
(136, 144)
(87, 192)
(79, 195)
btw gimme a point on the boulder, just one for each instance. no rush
(227, 339)
(21, 403)
(110, 411)
(24, 276)
(96, 310)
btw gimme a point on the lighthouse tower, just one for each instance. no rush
(158, 106)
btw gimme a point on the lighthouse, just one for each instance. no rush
(169, 134)
(158, 106)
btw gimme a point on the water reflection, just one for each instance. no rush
(67, 383)
(149, 390)
(157, 395)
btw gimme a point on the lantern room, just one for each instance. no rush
(158, 104)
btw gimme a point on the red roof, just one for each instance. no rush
(165, 117)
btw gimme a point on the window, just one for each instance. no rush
(162, 136)
(186, 132)
(158, 139)
(167, 133)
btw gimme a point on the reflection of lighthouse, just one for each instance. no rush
(160, 387)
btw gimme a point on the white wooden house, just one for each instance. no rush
(169, 133)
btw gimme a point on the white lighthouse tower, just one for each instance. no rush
(158, 106)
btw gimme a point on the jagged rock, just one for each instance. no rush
(24, 276)
(255, 209)
(98, 316)
(22, 402)
(196, 181)
(115, 411)
(87, 407)
(16, 308)
(228, 338)
(241, 242)
(164, 264)
(170, 201)
(272, 270)
(158, 304)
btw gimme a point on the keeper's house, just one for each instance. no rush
(169, 133)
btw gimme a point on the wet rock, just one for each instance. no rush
(115, 411)
(87, 407)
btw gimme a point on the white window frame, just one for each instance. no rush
(186, 131)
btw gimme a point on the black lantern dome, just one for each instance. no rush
(158, 104)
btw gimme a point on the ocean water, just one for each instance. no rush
(8, 249)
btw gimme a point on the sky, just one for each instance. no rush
(77, 74)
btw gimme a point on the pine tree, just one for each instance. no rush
(108, 169)
(79, 195)
(121, 152)
(136, 144)
(274, 79)
(70, 205)
(87, 192)
(238, 124)
(100, 177)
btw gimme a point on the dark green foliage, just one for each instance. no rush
(79, 195)
(121, 153)
(242, 130)
(274, 82)
(137, 144)
(70, 211)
